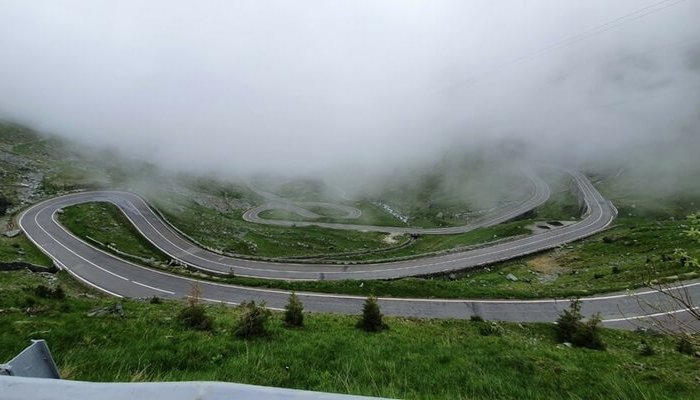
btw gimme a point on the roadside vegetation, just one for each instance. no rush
(103, 223)
(20, 249)
(294, 312)
(142, 340)
(635, 251)
(372, 214)
(210, 211)
(449, 192)
(571, 328)
(112, 231)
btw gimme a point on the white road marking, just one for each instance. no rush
(73, 252)
(658, 314)
(154, 288)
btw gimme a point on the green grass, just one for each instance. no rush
(429, 359)
(226, 231)
(113, 229)
(106, 224)
(55, 164)
(238, 237)
(630, 260)
(67, 176)
(372, 214)
(426, 244)
(582, 268)
(20, 249)
(442, 194)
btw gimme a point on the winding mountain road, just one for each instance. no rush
(126, 279)
(538, 194)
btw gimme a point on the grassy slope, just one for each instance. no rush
(27, 158)
(329, 354)
(371, 215)
(112, 229)
(227, 231)
(561, 205)
(105, 223)
(269, 241)
(21, 249)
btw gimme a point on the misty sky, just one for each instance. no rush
(244, 86)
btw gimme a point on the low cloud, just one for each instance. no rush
(309, 86)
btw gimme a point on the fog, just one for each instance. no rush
(303, 87)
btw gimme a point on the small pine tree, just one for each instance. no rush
(194, 316)
(195, 293)
(491, 329)
(571, 328)
(371, 320)
(685, 346)
(645, 349)
(253, 320)
(569, 321)
(294, 311)
(588, 335)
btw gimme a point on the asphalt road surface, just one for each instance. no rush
(125, 279)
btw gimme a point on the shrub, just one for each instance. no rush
(29, 301)
(588, 335)
(194, 316)
(42, 291)
(155, 300)
(476, 318)
(685, 346)
(294, 311)
(46, 292)
(569, 321)
(571, 328)
(371, 320)
(645, 349)
(491, 329)
(253, 320)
